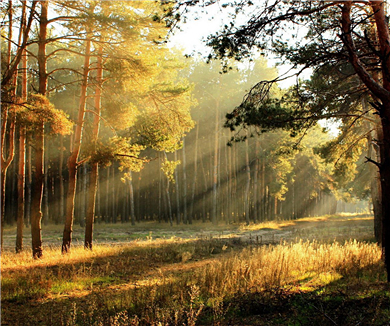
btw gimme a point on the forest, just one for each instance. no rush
(145, 185)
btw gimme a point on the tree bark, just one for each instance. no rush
(132, 208)
(73, 158)
(94, 175)
(185, 217)
(22, 165)
(191, 215)
(248, 181)
(215, 165)
(255, 183)
(61, 177)
(178, 213)
(168, 198)
(36, 198)
(7, 121)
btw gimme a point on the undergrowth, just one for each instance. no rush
(198, 282)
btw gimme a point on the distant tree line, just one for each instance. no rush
(96, 127)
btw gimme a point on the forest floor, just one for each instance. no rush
(322, 270)
(338, 227)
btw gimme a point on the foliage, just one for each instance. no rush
(38, 109)
(168, 167)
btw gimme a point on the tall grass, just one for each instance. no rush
(173, 282)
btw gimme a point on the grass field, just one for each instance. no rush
(324, 271)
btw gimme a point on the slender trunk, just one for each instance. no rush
(375, 183)
(215, 166)
(160, 181)
(28, 188)
(178, 213)
(263, 191)
(168, 198)
(107, 208)
(138, 213)
(230, 185)
(73, 158)
(22, 165)
(94, 175)
(90, 211)
(113, 188)
(45, 217)
(62, 192)
(8, 121)
(255, 183)
(191, 216)
(185, 217)
(248, 181)
(204, 190)
(36, 198)
(132, 210)
(84, 195)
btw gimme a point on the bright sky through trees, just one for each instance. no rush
(192, 36)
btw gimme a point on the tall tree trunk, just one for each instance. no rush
(256, 182)
(132, 208)
(107, 195)
(94, 175)
(46, 216)
(28, 187)
(204, 190)
(248, 182)
(191, 216)
(375, 185)
(61, 176)
(178, 213)
(73, 158)
(22, 164)
(113, 195)
(168, 198)
(7, 122)
(185, 217)
(215, 166)
(230, 185)
(36, 198)
(160, 185)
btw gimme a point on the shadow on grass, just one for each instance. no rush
(156, 283)
(82, 291)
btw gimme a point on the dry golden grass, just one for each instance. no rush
(180, 281)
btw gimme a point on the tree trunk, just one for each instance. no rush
(28, 188)
(168, 198)
(22, 165)
(178, 213)
(215, 166)
(62, 192)
(132, 208)
(191, 215)
(248, 181)
(160, 182)
(90, 211)
(185, 218)
(36, 198)
(45, 216)
(255, 183)
(94, 175)
(204, 190)
(8, 120)
(107, 206)
(73, 158)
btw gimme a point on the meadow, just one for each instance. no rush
(325, 270)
